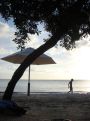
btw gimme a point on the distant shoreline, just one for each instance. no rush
(75, 92)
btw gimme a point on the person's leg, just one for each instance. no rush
(72, 90)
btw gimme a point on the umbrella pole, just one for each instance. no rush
(28, 92)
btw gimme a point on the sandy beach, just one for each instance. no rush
(50, 106)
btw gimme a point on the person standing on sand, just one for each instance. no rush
(70, 86)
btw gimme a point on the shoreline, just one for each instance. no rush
(61, 92)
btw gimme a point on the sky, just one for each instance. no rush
(69, 64)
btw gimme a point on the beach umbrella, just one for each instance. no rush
(19, 57)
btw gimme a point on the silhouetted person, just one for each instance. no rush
(70, 86)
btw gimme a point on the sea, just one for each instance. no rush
(47, 86)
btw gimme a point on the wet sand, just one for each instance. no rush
(46, 107)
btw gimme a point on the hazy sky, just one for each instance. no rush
(70, 64)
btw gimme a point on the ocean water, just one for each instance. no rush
(47, 86)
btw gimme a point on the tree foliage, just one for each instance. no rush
(66, 20)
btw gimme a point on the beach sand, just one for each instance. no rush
(46, 107)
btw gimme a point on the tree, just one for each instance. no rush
(66, 20)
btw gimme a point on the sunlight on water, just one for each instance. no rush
(81, 85)
(48, 85)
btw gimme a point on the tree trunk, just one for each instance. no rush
(30, 58)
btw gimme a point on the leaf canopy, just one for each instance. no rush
(70, 19)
